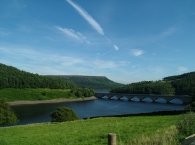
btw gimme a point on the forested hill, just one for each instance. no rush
(179, 85)
(184, 84)
(95, 82)
(182, 76)
(11, 77)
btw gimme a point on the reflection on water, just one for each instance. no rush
(41, 112)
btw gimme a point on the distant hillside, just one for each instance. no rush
(184, 84)
(95, 82)
(182, 76)
(179, 84)
(11, 77)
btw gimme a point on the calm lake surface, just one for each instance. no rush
(39, 113)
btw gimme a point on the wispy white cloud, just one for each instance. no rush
(66, 60)
(4, 50)
(137, 52)
(169, 31)
(155, 69)
(71, 33)
(18, 5)
(90, 20)
(116, 47)
(108, 39)
(100, 64)
(87, 17)
(134, 66)
(24, 28)
(3, 33)
(150, 38)
(46, 62)
(39, 58)
(182, 69)
(124, 62)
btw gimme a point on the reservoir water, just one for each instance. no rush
(39, 113)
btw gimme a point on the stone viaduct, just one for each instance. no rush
(184, 98)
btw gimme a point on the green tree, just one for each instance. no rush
(7, 115)
(79, 93)
(63, 114)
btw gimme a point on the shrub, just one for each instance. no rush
(44, 93)
(190, 107)
(7, 115)
(186, 125)
(82, 92)
(63, 114)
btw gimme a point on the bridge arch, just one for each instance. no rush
(147, 99)
(176, 101)
(124, 98)
(114, 98)
(161, 100)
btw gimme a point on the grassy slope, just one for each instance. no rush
(11, 94)
(85, 132)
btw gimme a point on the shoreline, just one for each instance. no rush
(59, 100)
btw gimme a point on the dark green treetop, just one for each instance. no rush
(7, 115)
(63, 114)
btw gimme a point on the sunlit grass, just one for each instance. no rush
(90, 132)
(11, 94)
(160, 137)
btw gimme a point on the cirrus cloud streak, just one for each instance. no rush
(90, 20)
(87, 17)
(71, 33)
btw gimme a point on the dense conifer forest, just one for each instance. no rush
(175, 85)
(11, 77)
(95, 82)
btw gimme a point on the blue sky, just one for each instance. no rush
(124, 40)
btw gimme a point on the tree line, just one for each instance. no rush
(176, 77)
(95, 82)
(11, 77)
(173, 85)
(146, 87)
(185, 85)
(82, 92)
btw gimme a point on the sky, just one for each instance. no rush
(125, 40)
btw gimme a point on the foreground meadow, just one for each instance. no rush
(129, 130)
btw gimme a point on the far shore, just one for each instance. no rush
(60, 100)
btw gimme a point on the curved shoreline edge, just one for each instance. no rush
(154, 113)
(60, 100)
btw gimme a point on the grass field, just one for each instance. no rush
(129, 130)
(11, 94)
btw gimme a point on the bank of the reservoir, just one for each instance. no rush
(60, 100)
